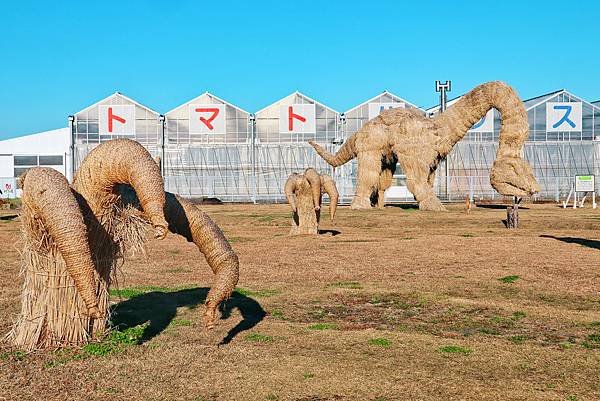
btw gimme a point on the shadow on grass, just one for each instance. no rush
(160, 308)
(332, 232)
(589, 243)
(498, 206)
(405, 206)
(9, 217)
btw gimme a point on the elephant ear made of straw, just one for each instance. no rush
(328, 186)
(48, 197)
(314, 180)
(122, 161)
(187, 220)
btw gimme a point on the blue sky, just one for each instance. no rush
(58, 57)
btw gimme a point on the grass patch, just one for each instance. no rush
(308, 375)
(259, 338)
(455, 349)
(509, 279)
(518, 315)
(259, 293)
(233, 240)
(133, 292)
(277, 314)
(468, 235)
(592, 341)
(180, 323)
(380, 342)
(351, 285)
(14, 356)
(116, 341)
(517, 339)
(322, 326)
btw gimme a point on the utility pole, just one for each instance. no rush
(442, 88)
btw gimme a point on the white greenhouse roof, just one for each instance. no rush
(299, 94)
(203, 97)
(51, 142)
(396, 98)
(121, 96)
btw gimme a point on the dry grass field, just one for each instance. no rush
(395, 304)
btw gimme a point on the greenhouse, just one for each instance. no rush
(209, 147)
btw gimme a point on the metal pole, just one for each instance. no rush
(72, 140)
(252, 123)
(442, 88)
(162, 119)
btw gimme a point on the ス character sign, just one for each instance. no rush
(116, 119)
(207, 118)
(297, 119)
(563, 116)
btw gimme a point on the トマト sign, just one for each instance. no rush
(207, 118)
(116, 119)
(585, 183)
(297, 119)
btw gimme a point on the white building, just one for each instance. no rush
(45, 149)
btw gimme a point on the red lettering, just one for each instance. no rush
(112, 117)
(209, 120)
(291, 117)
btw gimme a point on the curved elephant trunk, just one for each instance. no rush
(328, 186)
(346, 153)
(314, 180)
(47, 194)
(510, 175)
(290, 188)
(190, 222)
(123, 161)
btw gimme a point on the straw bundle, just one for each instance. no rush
(187, 220)
(303, 192)
(419, 143)
(76, 238)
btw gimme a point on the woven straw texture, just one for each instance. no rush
(419, 143)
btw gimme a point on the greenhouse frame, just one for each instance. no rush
(209, 147)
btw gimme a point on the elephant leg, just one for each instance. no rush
(385, 181)
(369, 170)
(419, 180)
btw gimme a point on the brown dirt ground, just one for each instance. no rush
(417, 281)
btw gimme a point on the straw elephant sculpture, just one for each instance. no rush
(304, 194)
(418, 143)
(76, 236)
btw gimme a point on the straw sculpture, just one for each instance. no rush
(76, 238)
(303, 192)
(419, 143)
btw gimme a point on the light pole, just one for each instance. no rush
(442, 88)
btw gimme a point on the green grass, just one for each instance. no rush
(518, 315)
(277, 314)
(308, 375)
(509, 279)
(259, 338)
(468, 235)
(517, 339)
(258, 293)
(323, 326)
(180, 322)
(352, 285)
(455, 349)
(380, 342)
(14, 355)
(592, 341)
(133, 292)
(116, 341)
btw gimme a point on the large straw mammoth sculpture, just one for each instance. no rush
(75, 237)
(419, 143)
(304, 194)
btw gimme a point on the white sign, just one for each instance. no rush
(486, 124)
(8, 188)
(207, 118)
(116, 119)
(563, 116)
(585, 183)
(376, 108)
(297, 119)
